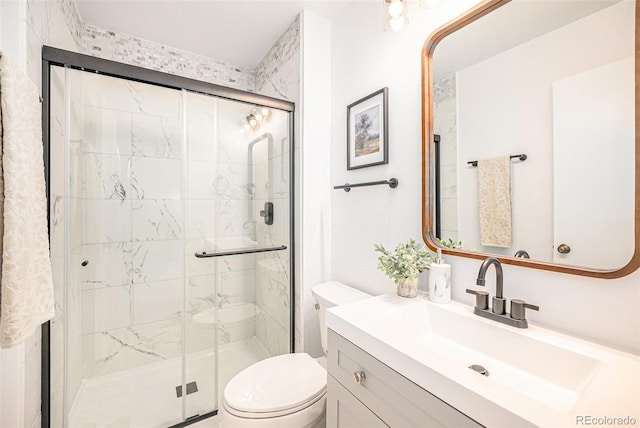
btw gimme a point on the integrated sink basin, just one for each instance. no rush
(521, 377)
(544, 371)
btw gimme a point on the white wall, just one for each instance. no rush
(364, 59)
(493, 120)
(313, 189)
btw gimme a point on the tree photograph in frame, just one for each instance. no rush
(367, 135)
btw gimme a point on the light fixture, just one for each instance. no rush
(254, 119)
(395, 8)
(396, 23)
(395, 14)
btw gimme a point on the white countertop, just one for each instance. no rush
(536, 376)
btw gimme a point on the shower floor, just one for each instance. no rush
(146, 396)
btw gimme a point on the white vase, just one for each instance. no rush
(407, 287)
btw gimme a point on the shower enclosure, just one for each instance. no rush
(171, 241)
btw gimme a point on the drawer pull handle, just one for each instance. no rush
(359, 377)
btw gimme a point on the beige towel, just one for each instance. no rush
(494, 201)
(26, 286)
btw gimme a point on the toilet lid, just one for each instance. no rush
(276, 384)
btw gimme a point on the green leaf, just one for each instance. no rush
(406, 261)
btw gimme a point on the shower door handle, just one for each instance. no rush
(267, 213)
(204, 254)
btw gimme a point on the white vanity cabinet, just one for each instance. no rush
(363, 392)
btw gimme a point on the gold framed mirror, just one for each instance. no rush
(574, 200)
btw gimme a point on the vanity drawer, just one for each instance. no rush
(344, 410)
(394, 398)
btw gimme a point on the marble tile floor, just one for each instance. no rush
(146, 396)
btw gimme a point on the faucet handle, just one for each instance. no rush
(518, 308)
(482, 298)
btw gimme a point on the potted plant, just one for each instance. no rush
(403, 265)
(450, 243)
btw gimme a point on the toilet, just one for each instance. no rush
(287, 390)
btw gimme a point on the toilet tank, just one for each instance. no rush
(330, 294)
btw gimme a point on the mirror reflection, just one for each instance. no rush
(534, 123)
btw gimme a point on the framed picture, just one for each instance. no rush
(367, 135)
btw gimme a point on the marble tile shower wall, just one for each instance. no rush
(133, 233)
(72, 18)
(201, 220)
(278, 75)
(132, 228)
(273, 296)
(132, 50)
(219, 189)
(141, 228)
(109, 195)
(445, 124)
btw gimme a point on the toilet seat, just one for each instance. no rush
(265, 415)
(277, 386)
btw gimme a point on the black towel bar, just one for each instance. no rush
(521, 157)
(392, 182)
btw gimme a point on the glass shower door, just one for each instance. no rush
(201, 206)
(143, 177)
(133, 236)
(238, 190)
(124, 243)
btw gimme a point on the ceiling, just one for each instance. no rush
(239, 32)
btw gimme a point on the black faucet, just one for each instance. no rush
(499, 302)
(498, 313)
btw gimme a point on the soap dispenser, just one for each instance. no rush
(440, 280)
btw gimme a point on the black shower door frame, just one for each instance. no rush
(63, 58)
